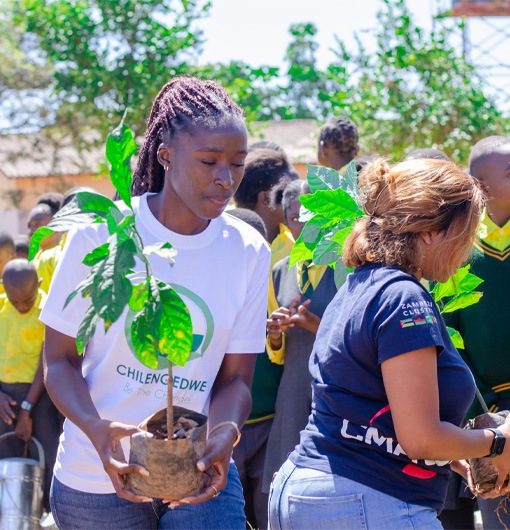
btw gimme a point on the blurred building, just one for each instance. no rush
(31, 165)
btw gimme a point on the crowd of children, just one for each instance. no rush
(268, 199)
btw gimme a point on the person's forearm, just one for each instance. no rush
(37, 386)
(230, 402)
(448, 442)
(68, 390)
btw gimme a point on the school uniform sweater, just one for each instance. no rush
(485, 326)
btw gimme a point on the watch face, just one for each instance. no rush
(499, 445)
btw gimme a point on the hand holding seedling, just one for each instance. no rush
(106, 435)
(214, 465)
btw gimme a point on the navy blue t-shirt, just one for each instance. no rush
(379, 313)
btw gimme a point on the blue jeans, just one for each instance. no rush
(77, 510)
(304, 499)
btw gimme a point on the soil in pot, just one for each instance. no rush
(482, 469)
(171, 463)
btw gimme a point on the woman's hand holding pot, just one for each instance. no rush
(106, 435)
(214, 464)
(502, 465)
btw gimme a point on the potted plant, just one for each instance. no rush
(172, 440)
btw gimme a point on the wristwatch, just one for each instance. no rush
(498, 444)
(26, 405)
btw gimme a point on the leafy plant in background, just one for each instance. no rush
(330, 213)
(457, 292)
(334, 206)
(162, 324)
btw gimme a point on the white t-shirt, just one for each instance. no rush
(221, 274)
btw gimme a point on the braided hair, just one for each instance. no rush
(182, 104)
(342, 135)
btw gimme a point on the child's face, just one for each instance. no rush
(22, 298)
(292, 219)
(494, 175)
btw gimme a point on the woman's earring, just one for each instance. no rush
(166, 168)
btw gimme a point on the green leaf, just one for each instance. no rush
(36, 239)
(470, 282)
(175, 327)
(325, 252)
(87, 329)
(92, 202)
(97, 255)
(332, 204)
(322, 178)
(139, 297)
(115, 221)
(456, 337)
(144, 331)
(341, 272)
(461, 282)
(450, 287)
(349, 182)
(64, 224)
(304, 214)
(462, 300)
(165, 250)
(342, 235)
(84, 287)
(120, 146)
(111, 290)
(316, 228)
(299, 252)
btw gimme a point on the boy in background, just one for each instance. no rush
(485, 326)
(25, 407)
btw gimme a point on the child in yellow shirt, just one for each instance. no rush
(25, 407)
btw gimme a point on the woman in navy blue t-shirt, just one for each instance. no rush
(389, 388)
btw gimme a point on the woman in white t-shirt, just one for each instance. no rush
(189, 168)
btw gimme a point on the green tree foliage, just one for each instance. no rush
(23, 82)
(107, 55)
(415, 91)
(255, 89)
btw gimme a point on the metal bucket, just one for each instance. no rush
(21, 490)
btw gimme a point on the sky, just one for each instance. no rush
(256, 31)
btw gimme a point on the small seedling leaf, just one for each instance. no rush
(97, 255)
(36, 239)
(120, 146)
(299, 252)
(456, 337)
(175, 327)
(165, 250)
(322, 178)
(86, 329)
(462, 300)
(349, 182)
(325, 252)
(336, 204)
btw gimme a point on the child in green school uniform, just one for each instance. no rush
(485, 326)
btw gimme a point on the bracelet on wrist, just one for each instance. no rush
(231, 424)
